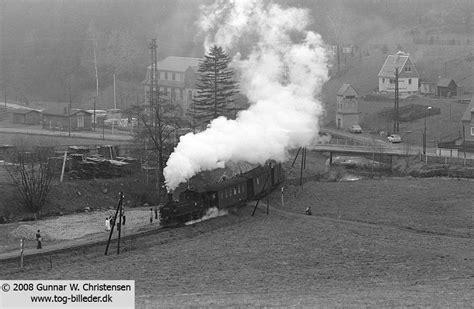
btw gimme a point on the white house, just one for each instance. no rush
(407, 75)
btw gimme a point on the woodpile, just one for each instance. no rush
(98, 167)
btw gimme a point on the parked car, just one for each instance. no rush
(355, 129)
(394, 138)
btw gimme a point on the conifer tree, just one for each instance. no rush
(216, 86)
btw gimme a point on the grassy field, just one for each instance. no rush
(389, 242)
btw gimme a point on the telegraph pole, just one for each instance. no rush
(155, 106)
(95, 120)
(152, 72)
(96, 82)
(396, 123)
(2, 52)
(69, 110)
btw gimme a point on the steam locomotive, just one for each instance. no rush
(234, 191)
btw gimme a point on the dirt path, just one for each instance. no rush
(66, 230)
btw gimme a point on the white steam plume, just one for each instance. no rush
(281, 77)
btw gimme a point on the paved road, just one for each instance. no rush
(122, 136)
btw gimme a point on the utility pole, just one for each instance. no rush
(2, 52)
(115, 109)
(96, 81)
(152, 73)
(69, 110)
(396, 124)
(338, 58)
(95, 120)
(119, 213)
(155, 106)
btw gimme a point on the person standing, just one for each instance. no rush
(112, 221)
(107, 224)
(151, 215)
(38, 239)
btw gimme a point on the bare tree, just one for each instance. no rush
(157, 126)
(32, 181)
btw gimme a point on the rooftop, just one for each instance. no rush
(177, 64)
(393, 62)
(444, 82)
(345, 88)
(466, 116)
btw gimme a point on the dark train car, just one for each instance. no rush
(227, 193)
(237, 190)
(257, 180)
(276, 173)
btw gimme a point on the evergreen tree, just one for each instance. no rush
(215, 86)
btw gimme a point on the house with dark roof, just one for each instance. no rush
(26, 116)
(408, 76)
(63, 120)
(347, 111)
(176, 78)
(446, 88)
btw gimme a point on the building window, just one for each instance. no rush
(166, 75)
(173, 76)
(181, 93)
(409, 81)
(391, 81)
(472, 130)
(383, 80)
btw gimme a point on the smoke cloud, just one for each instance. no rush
(282, 77)
(211, 213)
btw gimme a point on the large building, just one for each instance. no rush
(176, 78)
(408, 76)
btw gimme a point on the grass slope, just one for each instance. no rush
(289, 259)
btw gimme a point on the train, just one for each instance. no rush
(251, 185)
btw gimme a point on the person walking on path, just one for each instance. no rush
(38, 239)
(151, 215)
(308, 211)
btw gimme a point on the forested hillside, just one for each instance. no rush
(47, 47)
